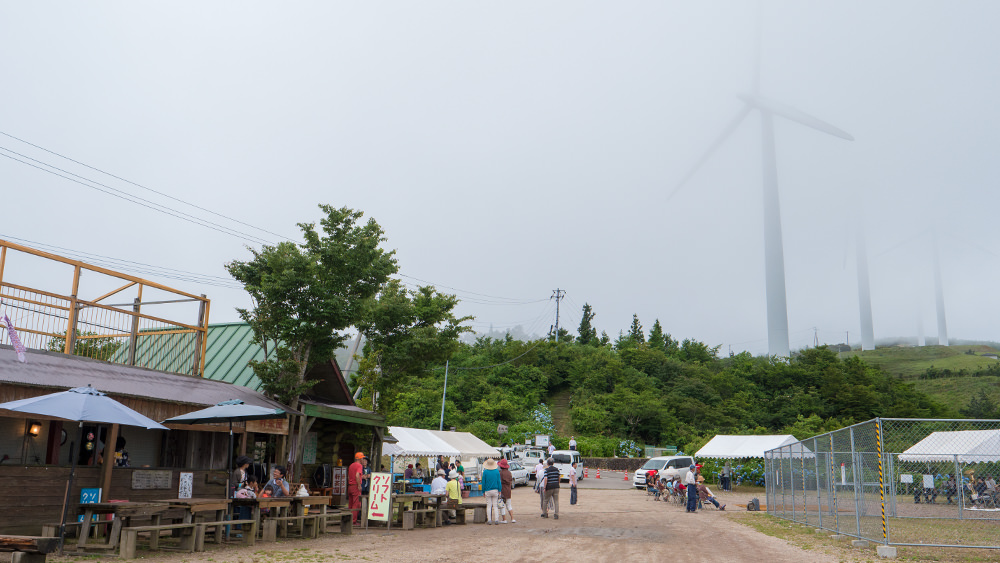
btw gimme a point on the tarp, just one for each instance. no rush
(740, 447)
(468, 444)
(417, 442)
(971, 446)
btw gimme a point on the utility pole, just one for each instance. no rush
(557, 294)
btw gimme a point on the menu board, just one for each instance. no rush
(151, 479)
(186, 485)
(339, 481)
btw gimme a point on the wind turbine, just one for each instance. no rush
(864, 291)
(774, 260)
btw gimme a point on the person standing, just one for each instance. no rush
(572, 443)
(572, 484)
(726, 479)
(540, 483)
(355, 476)
(691, 484)
(506, 484)
(454, 492)
(551, 489)
(491, 490)
(551, 449)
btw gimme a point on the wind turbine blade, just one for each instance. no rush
(758, 39)
(798, 116)
(726, 133)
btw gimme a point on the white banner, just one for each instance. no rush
(380, 497)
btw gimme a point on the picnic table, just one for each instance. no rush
(277, 507)
(28, 549)
(121, 512)
(196, 509)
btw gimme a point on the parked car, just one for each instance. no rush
(520, 474)
(666, 466)
(564, 462)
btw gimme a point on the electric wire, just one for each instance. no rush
(93, 184)
(136, 184)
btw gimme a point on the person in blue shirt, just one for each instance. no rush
(491, 490)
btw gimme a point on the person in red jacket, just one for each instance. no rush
(355, 476)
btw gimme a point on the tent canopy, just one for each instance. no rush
(740, 447)
(418, 442)
(971, 446)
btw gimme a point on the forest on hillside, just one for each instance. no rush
(643, 388)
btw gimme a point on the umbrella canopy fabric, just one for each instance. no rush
(84, 404)
(228, 411)
(739, 447)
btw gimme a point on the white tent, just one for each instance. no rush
(415, 442)
(740, 447)
(467, 443)
(971, 446)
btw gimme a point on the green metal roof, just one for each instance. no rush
(230, 348)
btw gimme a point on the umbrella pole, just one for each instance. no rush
(69, 489)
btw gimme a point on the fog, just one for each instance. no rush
(512, 149)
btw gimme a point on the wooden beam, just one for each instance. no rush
(126, 286)
(109, 462)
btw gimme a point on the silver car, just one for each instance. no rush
(519, 473)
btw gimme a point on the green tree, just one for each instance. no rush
(657, 339)
(587, 332)
(635, 331)
(409, 332)
(980, 406)
(305, 295)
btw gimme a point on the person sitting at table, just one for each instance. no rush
(239, 476)
(439, 486)
(277, 486)
(408, 472)
(418, 472)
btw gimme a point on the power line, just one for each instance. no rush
(127, 181)
(92, 184)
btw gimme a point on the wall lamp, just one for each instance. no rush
(35, 429)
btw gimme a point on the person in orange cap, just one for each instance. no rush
(355, 476)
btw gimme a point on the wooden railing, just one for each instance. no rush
(125, 331)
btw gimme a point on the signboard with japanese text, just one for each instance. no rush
(380, 500)
(339, 481)
(269, 426)
(87, 496)
(186, 485)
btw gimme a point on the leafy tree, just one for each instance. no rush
(587, 332)
(409, 332)
(305, 295)
(980, 406)
(657, 340)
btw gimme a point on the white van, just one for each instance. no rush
(564, 459)
(530, 458)
(666, 466)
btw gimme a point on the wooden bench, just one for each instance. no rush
(479, 511)
(278, 526)
(28, 549)
(248, 532)
(339, 518)
(130, 537)
(422, 517)
(52, 530)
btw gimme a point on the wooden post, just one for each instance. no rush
(73, 310)
(3, 260)
(134, 336)
(197, 367)
(109, 463)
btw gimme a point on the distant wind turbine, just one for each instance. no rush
(774, 260)
(864, 292)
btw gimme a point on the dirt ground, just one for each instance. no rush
(608, 524)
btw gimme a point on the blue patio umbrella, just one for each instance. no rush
(81, 404)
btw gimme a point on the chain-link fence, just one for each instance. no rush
(894, 481)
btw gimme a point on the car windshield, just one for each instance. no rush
(562, 458)
(515, 466)
(653, 464)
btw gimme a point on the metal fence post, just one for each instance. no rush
(959, 488)
(881, 479)
(857, 494)
(819, 497)
(833, 482)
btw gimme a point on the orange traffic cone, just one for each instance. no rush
(598, 472)
(625, 476)
(584, 472)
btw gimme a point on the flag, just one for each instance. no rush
(14, 339)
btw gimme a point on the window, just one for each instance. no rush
(562, 458)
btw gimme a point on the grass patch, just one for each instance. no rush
(903, 530)
(909, 363)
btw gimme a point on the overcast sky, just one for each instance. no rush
(512, 148)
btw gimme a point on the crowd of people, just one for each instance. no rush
(691, 487)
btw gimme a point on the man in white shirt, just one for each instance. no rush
(691, 482)
(551, 449)
(439, 485)
(540, 483)
(572, 443)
